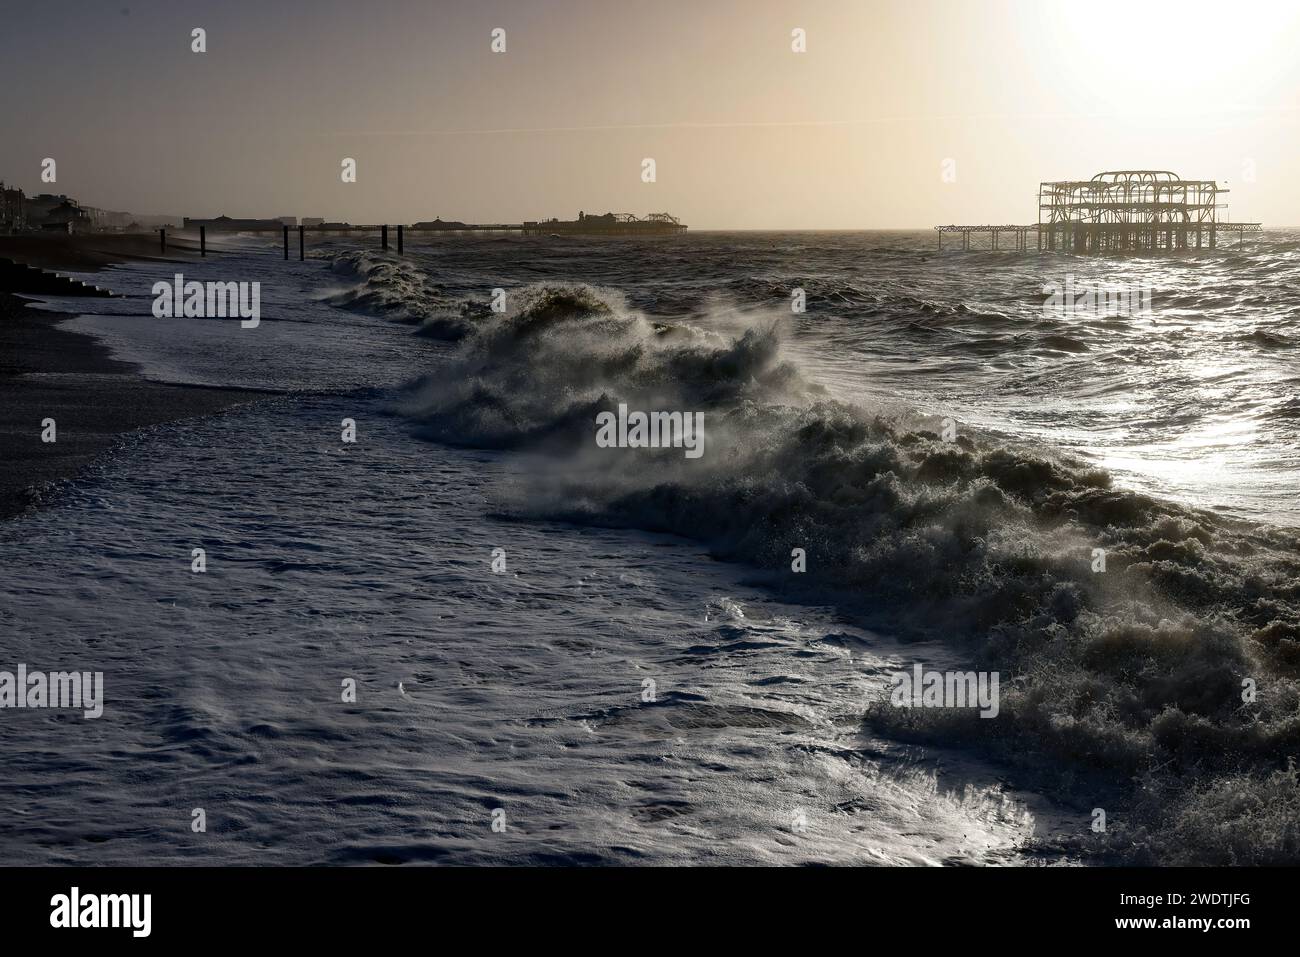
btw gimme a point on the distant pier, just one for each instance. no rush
(1121, 211)
(610, 224)
(605, 225)
(991, 235)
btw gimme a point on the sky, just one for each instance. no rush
(898, 114)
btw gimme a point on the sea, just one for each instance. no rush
(431, 620)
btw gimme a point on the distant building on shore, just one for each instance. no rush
(13, 209)
(41, 205)
(111, 221)
(60, 213)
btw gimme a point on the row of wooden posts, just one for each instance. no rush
(302, 245)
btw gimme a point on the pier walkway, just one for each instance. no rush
(1077, 237)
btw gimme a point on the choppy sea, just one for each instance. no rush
(569, 654)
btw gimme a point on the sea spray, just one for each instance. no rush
(1134, 671)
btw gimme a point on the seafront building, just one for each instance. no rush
(66, 217)
(13, 209)
(60, 213)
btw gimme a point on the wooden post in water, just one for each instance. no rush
(203, 240)
(162, 238)
(286, 242)
(301, 249)
(383, 236)
(399, 239)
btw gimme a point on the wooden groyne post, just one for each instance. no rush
(203, 240)
(162, 238)
(399, 239)
(302, 255)
(286, 242)
(383, 237)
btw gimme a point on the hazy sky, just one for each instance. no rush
(745, 132)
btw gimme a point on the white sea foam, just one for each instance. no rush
(980, 546)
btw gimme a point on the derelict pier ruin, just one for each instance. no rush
(1119, 211)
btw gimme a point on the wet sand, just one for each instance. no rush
(48, 372)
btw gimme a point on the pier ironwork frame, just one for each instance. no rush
(1117, 211)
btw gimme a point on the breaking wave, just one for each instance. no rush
(382, 285)
(1126, 681)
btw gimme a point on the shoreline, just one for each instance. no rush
(91, 252)
(71, 377)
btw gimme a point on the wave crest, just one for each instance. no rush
(394, 288)
(1117, 672)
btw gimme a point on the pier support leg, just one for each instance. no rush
(162, 239)
(286, 243)
(203, 240)
(302, 253)
(383, 237)
(399, 240)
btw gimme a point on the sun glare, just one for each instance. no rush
(1201, 54)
